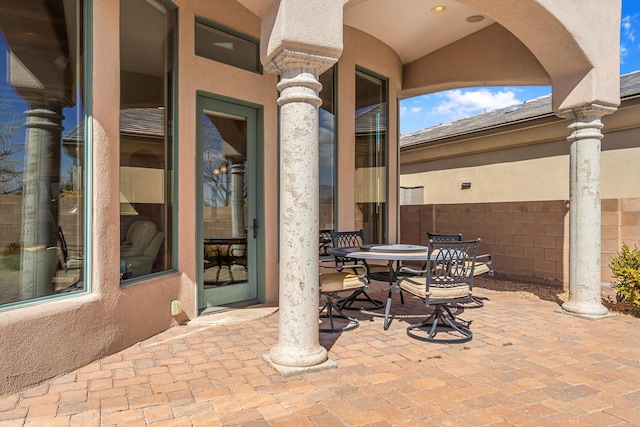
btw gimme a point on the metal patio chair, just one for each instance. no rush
(483, 262)
(448, 279)
(344, 278)
(347, 239)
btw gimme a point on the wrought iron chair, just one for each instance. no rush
(483, 262)
(344, 278)
(347, 239)
(448, 279)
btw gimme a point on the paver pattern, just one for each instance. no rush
(526, 365)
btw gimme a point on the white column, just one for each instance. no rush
(585, 211)
(298, 347)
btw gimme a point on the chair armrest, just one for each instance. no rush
(485, 260)
(354, 267)
(411, 271)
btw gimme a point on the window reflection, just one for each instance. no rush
(327, 144)
(146, 138)
(41, 149)
(371, 157)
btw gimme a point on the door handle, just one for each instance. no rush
(255, 228)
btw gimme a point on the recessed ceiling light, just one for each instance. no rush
(475, 18)
(438, 9)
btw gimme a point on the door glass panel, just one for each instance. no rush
(225, 201)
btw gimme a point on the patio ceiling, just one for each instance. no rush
(410, 27)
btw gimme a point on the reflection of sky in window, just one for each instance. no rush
(13, 107)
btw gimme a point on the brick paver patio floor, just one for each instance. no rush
(526, 365)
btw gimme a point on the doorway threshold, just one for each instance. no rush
(222, 315)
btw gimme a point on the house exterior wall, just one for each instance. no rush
(43, 338)
(518, 200)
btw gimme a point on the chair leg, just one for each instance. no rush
(330, 307)
(472, 303)
(347, 303)
(441, 321)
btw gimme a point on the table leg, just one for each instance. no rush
(388, 307)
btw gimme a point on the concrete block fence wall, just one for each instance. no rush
(528, 240)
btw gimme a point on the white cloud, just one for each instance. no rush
(628, 28)
(623, 52)
(463, 103)
(416, 109)
(403, 111)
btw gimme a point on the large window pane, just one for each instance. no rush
(41, 149)
(327, 138)
(371, 157)
(146, 137)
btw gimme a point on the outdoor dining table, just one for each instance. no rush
(393, 254)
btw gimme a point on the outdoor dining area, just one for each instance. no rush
(440, 274)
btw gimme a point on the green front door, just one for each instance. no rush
(227, 212)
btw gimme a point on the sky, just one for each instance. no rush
(443, 107)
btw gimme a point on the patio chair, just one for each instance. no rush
(344, 278)
(346, 239)
(484, 266)
(69, 261)
(447, 280)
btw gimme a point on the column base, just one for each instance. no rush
(586, 312)
(288, 371)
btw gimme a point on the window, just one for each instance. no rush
(227, 46)
(327, 138)
(146, 137)
(371, 156)
(42, 148)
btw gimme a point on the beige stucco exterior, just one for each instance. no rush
(574, 49)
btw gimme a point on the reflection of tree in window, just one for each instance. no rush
(11, 146)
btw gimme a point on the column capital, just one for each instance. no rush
(299, 71)
(289, 60)
(585, 121)
(587, 113)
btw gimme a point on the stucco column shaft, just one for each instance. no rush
(585, 211)
(237, 199)
(40, 202)
(298, 340)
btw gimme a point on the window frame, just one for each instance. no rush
(216, 26)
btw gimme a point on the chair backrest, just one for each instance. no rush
(141, 234)
(347, 239)
(63, 245)
(444, 237)
(452, 263)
